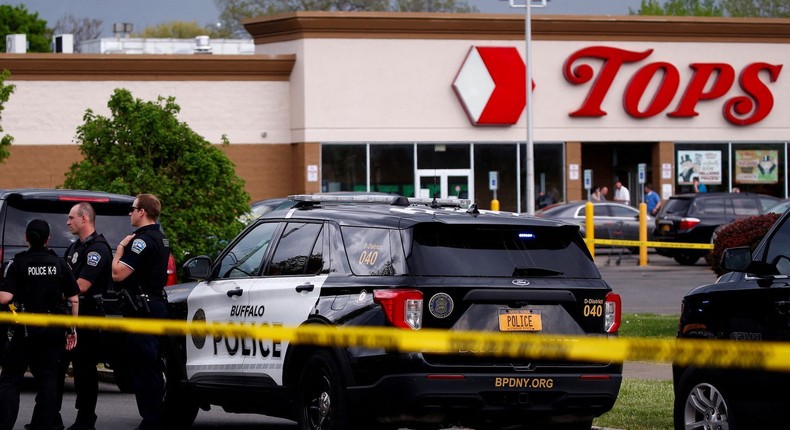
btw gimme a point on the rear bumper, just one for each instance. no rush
(480, 398)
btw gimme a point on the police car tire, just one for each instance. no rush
(698, 385)
(179, 409)
(322, 399)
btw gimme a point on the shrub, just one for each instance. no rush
(743, 232)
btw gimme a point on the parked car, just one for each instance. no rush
(386, 261)
(693, 218)
(19, 206)
(611, 220)
(780, 207)
(749, 304)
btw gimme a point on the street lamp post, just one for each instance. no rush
(530, 155)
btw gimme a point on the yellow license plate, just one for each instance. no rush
(520, 320)
(665, 227)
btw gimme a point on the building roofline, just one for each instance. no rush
(403, 25)
(129, 67)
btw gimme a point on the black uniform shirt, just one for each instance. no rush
(147, 255)
(39, 280)
(91, 260)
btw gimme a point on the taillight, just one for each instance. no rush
(612, 310)
(403, 308)
(172, 278)
(688, 223)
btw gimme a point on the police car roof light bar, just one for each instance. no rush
(376, 199)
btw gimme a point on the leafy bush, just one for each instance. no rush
(142, 147)
(743, 232)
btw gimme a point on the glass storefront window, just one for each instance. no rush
(343, 168)
(709, 162)
(502, 159)
(549, 168)
(392, 169)
(759, 168)
(443, 156)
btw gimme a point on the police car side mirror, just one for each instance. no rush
(197, 268)
(739, 259)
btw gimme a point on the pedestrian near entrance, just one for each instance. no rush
(90, 260)
(139, 269)
(36, 281)
(652, 199)
(621, 193)
(699, 187)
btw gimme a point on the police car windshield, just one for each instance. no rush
(497, 251)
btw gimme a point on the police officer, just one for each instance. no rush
(90, 260)
(36, 281)
(139, 267)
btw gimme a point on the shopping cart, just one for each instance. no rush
(616, 232)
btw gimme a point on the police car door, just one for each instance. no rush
(288, 294)
(226, 298)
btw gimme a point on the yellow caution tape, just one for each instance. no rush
(649, 244)
(685, 352)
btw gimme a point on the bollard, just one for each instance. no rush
(495, 205)
(642, 234)
(590, 228)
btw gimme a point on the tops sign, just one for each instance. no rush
(709, 82)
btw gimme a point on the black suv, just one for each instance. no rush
(692, 218)
(382, 261)
(749, 304)
(19, 206)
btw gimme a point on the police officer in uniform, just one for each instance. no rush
(90, 260)
(139, 267)
(36, 281)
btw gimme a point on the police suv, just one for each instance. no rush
(386, 261)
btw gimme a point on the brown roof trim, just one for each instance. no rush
(400, 25)
(128, 67)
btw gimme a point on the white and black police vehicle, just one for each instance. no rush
(386, 261)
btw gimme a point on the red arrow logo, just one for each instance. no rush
(490, 85)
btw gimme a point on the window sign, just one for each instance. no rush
(756, 167)
(706, 165)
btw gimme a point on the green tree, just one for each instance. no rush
(5, 94)
(183, 30)
(233, 11)
(679, 8)
(17, 20)
(143, 147)
(757, 8)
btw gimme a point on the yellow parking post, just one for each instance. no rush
(642, 234)
(495, 205)
(590, 228)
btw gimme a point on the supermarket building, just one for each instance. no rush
(431, 104)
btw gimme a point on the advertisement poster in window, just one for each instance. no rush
(756, 166)
(706, 165)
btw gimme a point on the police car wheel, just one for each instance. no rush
(703, 404)
(322, 398)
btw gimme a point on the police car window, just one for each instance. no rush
(296, 249)
(374, 251)
(246, 256)
(778, 251)
(498, 251)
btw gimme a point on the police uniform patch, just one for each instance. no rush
(93, 258)
(138, 245)
(75, 257)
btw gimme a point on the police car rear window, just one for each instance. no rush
(374, 251)
(497, 251)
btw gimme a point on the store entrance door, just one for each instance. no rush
(445, 183)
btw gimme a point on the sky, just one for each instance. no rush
(144, 13)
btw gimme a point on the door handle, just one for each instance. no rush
(235, 292)
(305, 287)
